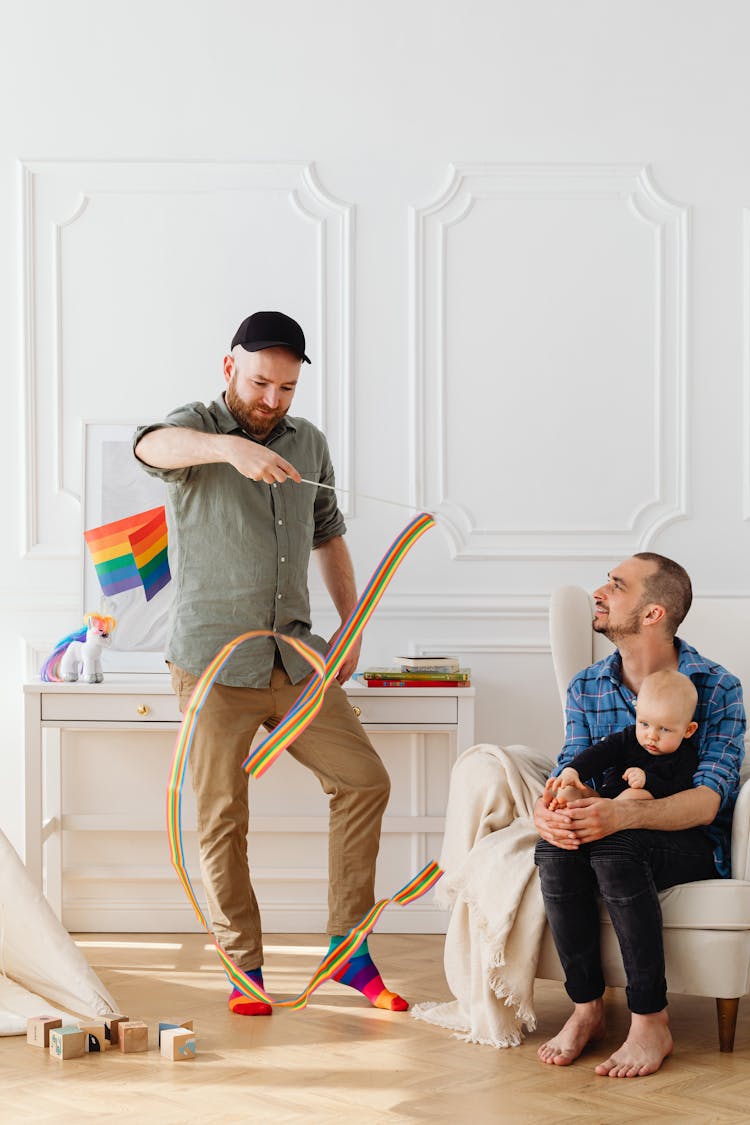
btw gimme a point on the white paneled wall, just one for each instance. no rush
(518, 239)
(542, 278)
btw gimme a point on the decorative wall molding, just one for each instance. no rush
(22, 603)
(54, 196)
(746, 363)
(452, 604)
(631, 187)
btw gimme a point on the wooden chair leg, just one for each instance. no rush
(726, 1011)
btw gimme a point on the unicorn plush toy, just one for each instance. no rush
(79, 654)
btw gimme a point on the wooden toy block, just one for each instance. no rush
(38, 1029)
(188, 1024)
(66, 1042)
(177, 1044)
(133, 1036)
(111, 1024)
(96, 1039)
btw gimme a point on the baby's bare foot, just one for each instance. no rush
(586, 1025)
(648, 1044)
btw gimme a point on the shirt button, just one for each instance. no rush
(275, 484)
(279, 597)
(281, 521)
(283, 558)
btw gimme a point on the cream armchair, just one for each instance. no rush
(706, 924)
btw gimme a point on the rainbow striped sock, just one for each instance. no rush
(360, 973)
(243, 1005)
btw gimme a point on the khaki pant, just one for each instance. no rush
(339, 753)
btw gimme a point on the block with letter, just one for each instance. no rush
(187, 1024)
(38, 1029)
(67, 1043)
(133, 1036)
(177, 1044)
(96, 1039)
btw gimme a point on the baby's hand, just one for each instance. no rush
(635, 777)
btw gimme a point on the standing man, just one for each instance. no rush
(627, 851)
(243, 526)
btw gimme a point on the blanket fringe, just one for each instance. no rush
(429, 1012)
(525, 1015)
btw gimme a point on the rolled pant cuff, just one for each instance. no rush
(646, 1004)
(334, 930)
(584, 995)
(249, 963)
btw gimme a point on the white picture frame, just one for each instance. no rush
(114, 487)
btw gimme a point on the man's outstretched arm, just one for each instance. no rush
(177, 447)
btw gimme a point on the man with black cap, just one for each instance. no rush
(243, 525)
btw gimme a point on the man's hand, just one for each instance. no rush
(257, 462)
(554, 826)
(595, 817)
(350, 660)
(635, 777)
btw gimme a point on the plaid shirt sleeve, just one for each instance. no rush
(578, 733)
(721, 732)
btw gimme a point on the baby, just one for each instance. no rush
(648, 760)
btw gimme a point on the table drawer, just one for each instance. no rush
(147, 708)
(105, 708)
(412, 712)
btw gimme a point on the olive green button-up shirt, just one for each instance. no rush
(240, 549)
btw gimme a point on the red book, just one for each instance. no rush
(418, 683)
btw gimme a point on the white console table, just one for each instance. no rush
(124, 710)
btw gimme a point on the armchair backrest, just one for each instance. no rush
(574, 643)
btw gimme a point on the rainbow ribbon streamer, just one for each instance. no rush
(131, 552)
(299, 716)
(308, 704)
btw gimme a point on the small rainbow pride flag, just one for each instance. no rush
(131, 552)
(149, 547)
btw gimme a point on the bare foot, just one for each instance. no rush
(648, 1044)
(585, 1026)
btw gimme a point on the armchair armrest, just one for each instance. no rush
(741, 834)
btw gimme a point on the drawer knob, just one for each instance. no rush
(143, 709)
(357, 710)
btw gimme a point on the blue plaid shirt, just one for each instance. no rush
(599, 704)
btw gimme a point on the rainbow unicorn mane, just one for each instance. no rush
(49, 672)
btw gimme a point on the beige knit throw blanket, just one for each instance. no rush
(492, 887)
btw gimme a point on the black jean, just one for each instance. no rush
(626, 869)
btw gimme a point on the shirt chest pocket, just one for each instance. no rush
(301, 499)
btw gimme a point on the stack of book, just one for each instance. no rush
(420, 671)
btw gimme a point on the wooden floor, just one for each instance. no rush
(341, 1058)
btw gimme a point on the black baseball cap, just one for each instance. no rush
(270, 330)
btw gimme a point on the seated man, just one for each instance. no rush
(627, 851)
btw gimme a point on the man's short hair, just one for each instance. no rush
(669, 586)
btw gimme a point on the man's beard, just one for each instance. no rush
(615, 633)
(254, 421)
